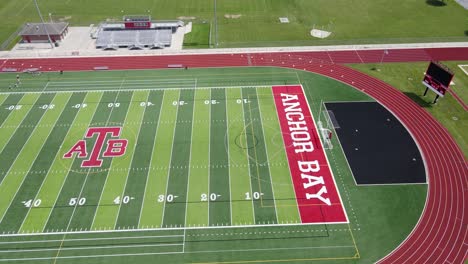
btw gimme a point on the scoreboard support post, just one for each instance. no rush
(425, 92)
(435, 100)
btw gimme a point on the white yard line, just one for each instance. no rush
(227, 149)
(13, 163)
(151, 158)
(190, 159)
(48, 170)
(82, 188)
(71, 217)
(131, 161)
(248, 158)
(209, 160)
(110, 165)
(74, 207)
(68, 173)
(170, 160)
(2, 101)
(228, 161)
(297, 77)
(22, 120)
(121, 83)
(268, 160)
(45, 87)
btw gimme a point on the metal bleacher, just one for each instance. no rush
(152, 38)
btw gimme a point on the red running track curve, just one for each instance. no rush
(441, 235)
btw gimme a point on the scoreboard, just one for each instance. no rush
(437, 78)
(137, 22)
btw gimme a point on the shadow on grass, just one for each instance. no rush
(195, 45)
(418, 99)
(436, 2)
(191, 44)
(466, 33)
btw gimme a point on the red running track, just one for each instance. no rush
(441, 235)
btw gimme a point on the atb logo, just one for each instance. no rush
(114, 147)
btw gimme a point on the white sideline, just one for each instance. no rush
(462, 67)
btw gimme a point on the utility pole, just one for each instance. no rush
(385, 52)
(215, 24)
(43, 24)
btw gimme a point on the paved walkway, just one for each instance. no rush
(463, 3)
(47, 53)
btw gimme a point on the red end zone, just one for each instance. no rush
(316, 193)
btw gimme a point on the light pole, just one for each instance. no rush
(43, 24)
(215, 24)
(385, 52)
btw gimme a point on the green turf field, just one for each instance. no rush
(191, 161)
(204, 179)
(364, 21)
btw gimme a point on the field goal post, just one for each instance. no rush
(325, 127)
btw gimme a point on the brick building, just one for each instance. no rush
(37, 32)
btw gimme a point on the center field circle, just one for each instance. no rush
(241, 140)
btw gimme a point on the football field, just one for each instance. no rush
(177, 166)
(145, 159)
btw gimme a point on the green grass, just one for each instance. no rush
(180, 150)
(360, 21)
(407, 78)
(199, 37)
